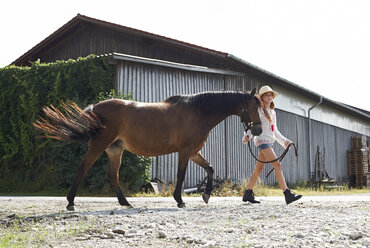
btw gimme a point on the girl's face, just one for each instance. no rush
(267, 98)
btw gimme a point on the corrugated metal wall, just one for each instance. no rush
(223, 149)
(336, 142)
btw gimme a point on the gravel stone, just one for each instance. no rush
(119, 231)
(162, 235)
(299, 235)
(355, 235)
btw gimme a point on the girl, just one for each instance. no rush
(264, 143)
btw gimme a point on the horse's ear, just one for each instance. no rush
(253, 92)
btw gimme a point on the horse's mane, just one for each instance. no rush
(210, 102)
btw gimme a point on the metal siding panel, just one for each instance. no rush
(151, 85)
(148, 86)
(335, 154)
(127, 79)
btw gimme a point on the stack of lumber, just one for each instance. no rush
(358, 162)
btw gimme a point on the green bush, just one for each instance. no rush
(44, 164)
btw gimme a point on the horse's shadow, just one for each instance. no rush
(140, 210)
(64, 215)
(124, 211)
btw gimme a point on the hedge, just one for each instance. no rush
(26, 159)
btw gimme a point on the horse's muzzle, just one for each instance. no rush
(256, 130)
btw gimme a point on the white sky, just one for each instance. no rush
(321, 45)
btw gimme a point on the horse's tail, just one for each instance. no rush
(76, 126)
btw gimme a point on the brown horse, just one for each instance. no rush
(178, 124)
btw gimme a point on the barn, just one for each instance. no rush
(154, 67)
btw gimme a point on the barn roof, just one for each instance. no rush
(73, 24)
(245, 66)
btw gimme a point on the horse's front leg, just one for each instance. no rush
(200, 160)
(181, 170)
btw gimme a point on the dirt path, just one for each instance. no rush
(331, 221)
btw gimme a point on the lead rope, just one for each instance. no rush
(279, 158)
(246, 128)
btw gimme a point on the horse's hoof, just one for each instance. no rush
(181, 205)
(205, 197)
(126, 204)
(71, 208)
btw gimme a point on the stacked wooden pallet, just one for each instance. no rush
(358, 162)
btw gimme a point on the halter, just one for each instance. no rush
(245, 118)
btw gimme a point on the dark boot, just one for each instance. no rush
(290, 197)
(249, 196)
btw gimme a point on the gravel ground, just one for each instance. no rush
(330, 221)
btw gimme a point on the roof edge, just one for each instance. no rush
(152, 35)
(127, 57)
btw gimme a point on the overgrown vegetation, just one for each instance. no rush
(30, 164)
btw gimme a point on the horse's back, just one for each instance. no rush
(145, 128)
(133, 115)
(114, 107)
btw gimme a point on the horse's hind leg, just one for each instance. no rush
(114, 152)
(96, 148)
(200, 160)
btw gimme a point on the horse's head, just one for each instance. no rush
(249, 114)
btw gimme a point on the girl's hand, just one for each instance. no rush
(245, 139)
(287, 143)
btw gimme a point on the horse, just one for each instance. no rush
(180, 124)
